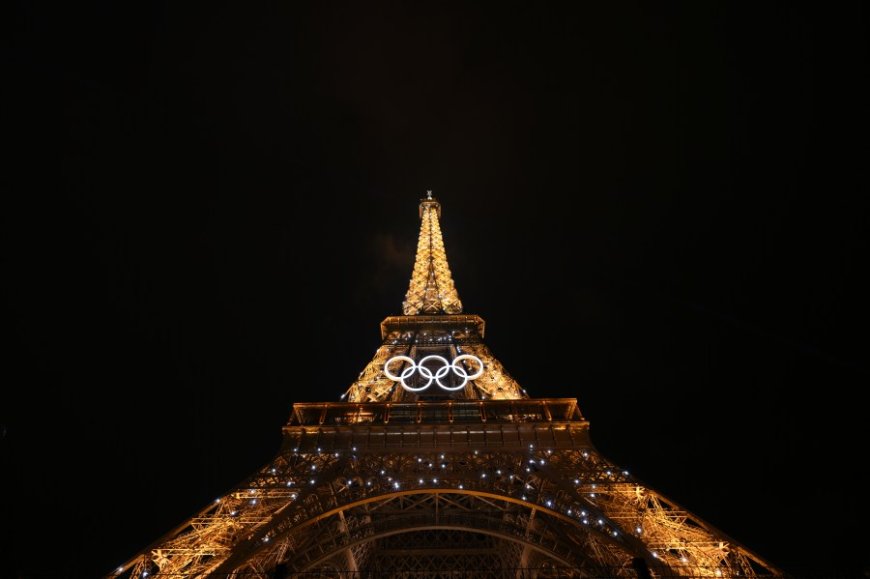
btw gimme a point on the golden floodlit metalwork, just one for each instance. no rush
(476, 480)
(431, 290)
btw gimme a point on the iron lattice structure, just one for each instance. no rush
(431, 290)
(468, 479)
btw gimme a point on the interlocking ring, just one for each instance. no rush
(435, 376)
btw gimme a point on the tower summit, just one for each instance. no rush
(431, 290)
(437, 464)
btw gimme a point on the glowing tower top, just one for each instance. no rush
(431, 290)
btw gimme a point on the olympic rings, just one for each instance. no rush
(435, 376)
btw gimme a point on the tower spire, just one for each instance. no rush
(431, 290)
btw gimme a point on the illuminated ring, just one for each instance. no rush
(426, 373)
(405, 373)
(435, 376)
(462, 372)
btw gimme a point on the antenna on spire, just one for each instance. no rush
(429, 194)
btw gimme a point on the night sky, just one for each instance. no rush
(661, 211)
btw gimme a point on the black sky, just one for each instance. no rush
(661, 211)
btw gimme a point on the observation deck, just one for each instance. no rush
(475, 424)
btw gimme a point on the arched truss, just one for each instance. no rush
(566, 543)
(569, 505)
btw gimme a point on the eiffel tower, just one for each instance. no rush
(436, 463)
